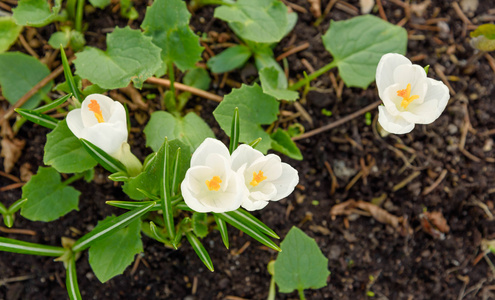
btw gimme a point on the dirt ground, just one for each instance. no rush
(446, 168)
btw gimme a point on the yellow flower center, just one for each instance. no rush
(95, 108)
(257, 178)
(214, 183)
(406, 96)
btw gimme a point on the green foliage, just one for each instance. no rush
(65, 37)
(282, 143)
(270, 85)
(127, 10)
(488, 30)
(300, 265)
(199, 224)
(230, 59)
(9, 31)
(64, 152)
(190, 129)
(111, 255)
(483, 37)
(198, 78)
(101, 4)
(263, 21)
(47, 197)
(358, 44)
(167, 22)
(263, 58)
(24, 72)
(12, 245)
(255, 109)
(37, 13)
(129, 56)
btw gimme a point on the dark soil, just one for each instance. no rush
(364, 255)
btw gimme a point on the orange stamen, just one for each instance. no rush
(214, 183)
(406, 96)
(257, 178)
(94, 107)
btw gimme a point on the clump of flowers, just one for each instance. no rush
(408, 96)
(218, 182)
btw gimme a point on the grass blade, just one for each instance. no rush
(168, 213)
(130, 205)
(71, 280)
(68, 76)
(253, 222)
(222, 227)
(52, 105)
(38, 118)
(234, 131)
(200, 250)
(104, 159)
(11, 245)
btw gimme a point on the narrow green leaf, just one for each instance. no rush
(251, 221)
(300, 265)
(52, 105)
(104, 159)
(71, 280)
(119, 176)
(200, 250)
(38, 118)
(69, 78)
(157, 234)
(176, 173)
(222, 227)
(230, 59)
(260, 237)
(168, 213)
(130, 205)
(183, 206)
(3, 209)
(148, 194)
(8, 220)
(11, 245)
(17, 205)
(234, 131)
(255, 143)
(111, 227)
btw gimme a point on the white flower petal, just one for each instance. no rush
(74, 122)
(244, 154)
(106, 136)
(385, 70)
(270, 165)
(413, 75)
(209, 146)
(253, 205)
(397, 124)
(265, 191)
(286, 183)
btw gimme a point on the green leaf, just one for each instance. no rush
(109, 228)
(488, 30)
(37, 13)
(282, 143)
(111, 255)
(251, 221)
(263, 21)
(190, 130)
(199, 224)
(300, 265)
(64, 151)
(66, 37)
(248, 228)
(129, 56)
(167, 22)
(200, 250)
(133, 204)
(104, 159)
(198, 78)
(150, 179)
(230, 59)
(101, 4)
(164, 170)
(358, 44)
(69, 79)
(127, 10)
(71, 280)
(53, 104)
(47, 197)
(263, 58)
(234, 131)
(222, 227)
(269, 83)
(9, 31)
(255, 109)
(11, 245)
(38, 118)
(21, 72)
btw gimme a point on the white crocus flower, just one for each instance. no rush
(210, 184)
(409, 97)
(266, 178)
(103, 122)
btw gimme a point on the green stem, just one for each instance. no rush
(301, 294)
(214, 2)
(73, 178)
(79, 15)
(171, 76)
(312, 76)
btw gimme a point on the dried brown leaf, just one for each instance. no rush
(434, 224)
(315, 7)
(344, 208)
(11, 151)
